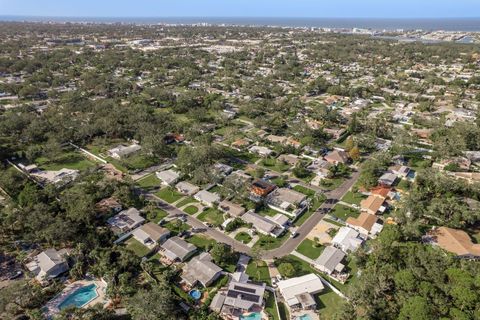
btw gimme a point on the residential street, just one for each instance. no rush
(289, 245)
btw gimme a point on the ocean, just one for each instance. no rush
(447, 24)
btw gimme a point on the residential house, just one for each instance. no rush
(330, 261)
(125, 221)
(366, 224)
(108, 205)
(387, 179)
(59, 178)
(287, 201)
(263, 224)
(455, 241)
(336, 157)
(177, 249)
(260, 189)
(150, 234)
(231, 208)
(222, 169)
(291, 159)
(374, 204)
(207, 198)
(347, 239)
(49, 264)
(201, 270)
(261, 151)
(186, 188)
(335, 133)
(122, 151)
(299, 292)
(400, 171)
(168, 177)
(276, 139)
(238, 298)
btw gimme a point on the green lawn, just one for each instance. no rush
(269, 242)
(191, 210)
(176, 226)
(169, 195)
(331, 184)
(212, 216)
(156, 215)
(201, 241)
(70, 160)
(310, 249)
(403, 185)
(258, 271)
(275, 165)
(149, 182)
(185, 201)
(343, 212)
(243, 237)
(136, 247)
(305, 191)
(314, 205)
(328, 303)
(353, 198)
(267, 211)
(282, 308)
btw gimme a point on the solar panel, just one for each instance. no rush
(243, 296)
(233, 293)
(250, 290)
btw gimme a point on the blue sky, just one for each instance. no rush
(244, 8)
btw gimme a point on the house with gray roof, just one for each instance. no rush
(207, 198)
(263, 224)
(150, 234)
(49, 264)
(125, 221)
(187, 188)
(287, 201)
(122, 151)
(177, 249)
(330, 260)
(168, 177)
(201, 270)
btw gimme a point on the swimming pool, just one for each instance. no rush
(195, 294)
(80, 297)
(252, 316)
(304, 317)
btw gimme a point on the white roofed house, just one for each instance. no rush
(387, 179)
(298, 292)
(347, 239)
(287, 201)
(49, 264)
(122, 151)
(207, 198)
(263, 224)
(201, 270)
(125, 221)
(177, 249)
(168, 177)
(261, 151)
(150, 234)
(330, 261)
(187, 188)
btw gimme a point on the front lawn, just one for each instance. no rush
(306, 191)
(149, 182)
(353, 197)
(343, 212)
(176, 226)
(257, 270)
(201, 241)
(169, 195)
(275, 165)
(185, 201)
(243, 237)
(136, 247)
(315, 203)
(212, 216)
(191, 210)
(269, 242)
(156, 215)
(310, 249)
(331, 184)
(267, 211)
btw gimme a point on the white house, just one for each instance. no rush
(347, 239)
(298, 292)
(123, 151)
(168, 177)
(207, 198)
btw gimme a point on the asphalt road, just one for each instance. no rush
(289, 245)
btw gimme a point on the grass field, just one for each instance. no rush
(343, 212)
(314, 205)
(243, 237)
(269, 242)
(212, 216)
(169, 195)
(331, 184)
(191, 210)
(353, 198)
(139, 249)
(70, 160)
(258, 271)
(157, 215)
(149, 182)
(185, 201)
(201, 241)
(309, 249)
(304, 190)
(275, 165)
(328, 303)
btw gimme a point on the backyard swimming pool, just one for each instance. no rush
(252, 316)
(80, 297)
(195, 294)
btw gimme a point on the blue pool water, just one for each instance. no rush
(304, 317)
(252, 316)
(80, 297)
(195, 294)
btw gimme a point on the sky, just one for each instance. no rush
(244, 8)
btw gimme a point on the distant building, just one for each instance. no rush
(122, 151)
(455, 241)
